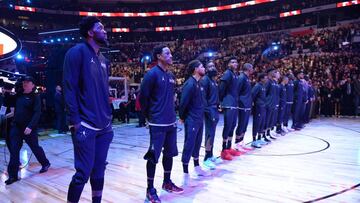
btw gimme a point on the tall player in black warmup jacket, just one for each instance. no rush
(211, 103)
(228, 93)
(245, 102)
(86, 90)
(191, 112)
(158, 106)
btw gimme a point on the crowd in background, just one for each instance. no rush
(329, 57)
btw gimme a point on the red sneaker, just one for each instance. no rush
(225, 155)
(235, 152)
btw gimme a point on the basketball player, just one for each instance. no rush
(86, 91)
(258, 94)
(211, 103)
(245, 102)
(158, 106)
(228, 93)
(191, 112)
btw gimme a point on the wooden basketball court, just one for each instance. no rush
(320, 163)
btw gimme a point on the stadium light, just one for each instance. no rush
(19, 57)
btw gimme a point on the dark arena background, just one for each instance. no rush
(312, 42)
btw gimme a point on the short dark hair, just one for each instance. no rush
(86, 24)
(261, 76)
(192, 65)
(158, 49)
(229, 59)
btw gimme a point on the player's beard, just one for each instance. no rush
(101, 41)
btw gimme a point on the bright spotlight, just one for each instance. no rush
(19, 57)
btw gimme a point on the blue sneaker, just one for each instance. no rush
(262, 142)
(256, 144)
(209, 164)
(216, 160)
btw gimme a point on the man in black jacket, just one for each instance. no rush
(300, 98)
(26, 118)
(211, 103)
(272, 101)
(258, 94)
(86, 90)
(191, 112)
(228, 94)
(158, 106)
(245, 102)
(289, 101)
(282, 105)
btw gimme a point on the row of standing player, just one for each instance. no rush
(200, 99)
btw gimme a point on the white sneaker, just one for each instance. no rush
(216, 160)
(188, 181)
(272, 133)
(201, 172)
(285, 129)
(239, 147)
(209, 164)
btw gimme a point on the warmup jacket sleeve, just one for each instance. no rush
(205, 84)
(145, 92)
(254, 92)
(186, 95)
(224, 82)
(71, 75)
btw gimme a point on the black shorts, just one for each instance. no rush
(162, 138)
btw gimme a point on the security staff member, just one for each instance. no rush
(228, 93)
(191, 112)
(86, 91)
(245, 101)
(299, 101)
(211, 102)
(289, 101)
(258, 94)
(24, 126)
(158, 106)
(282, 105)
